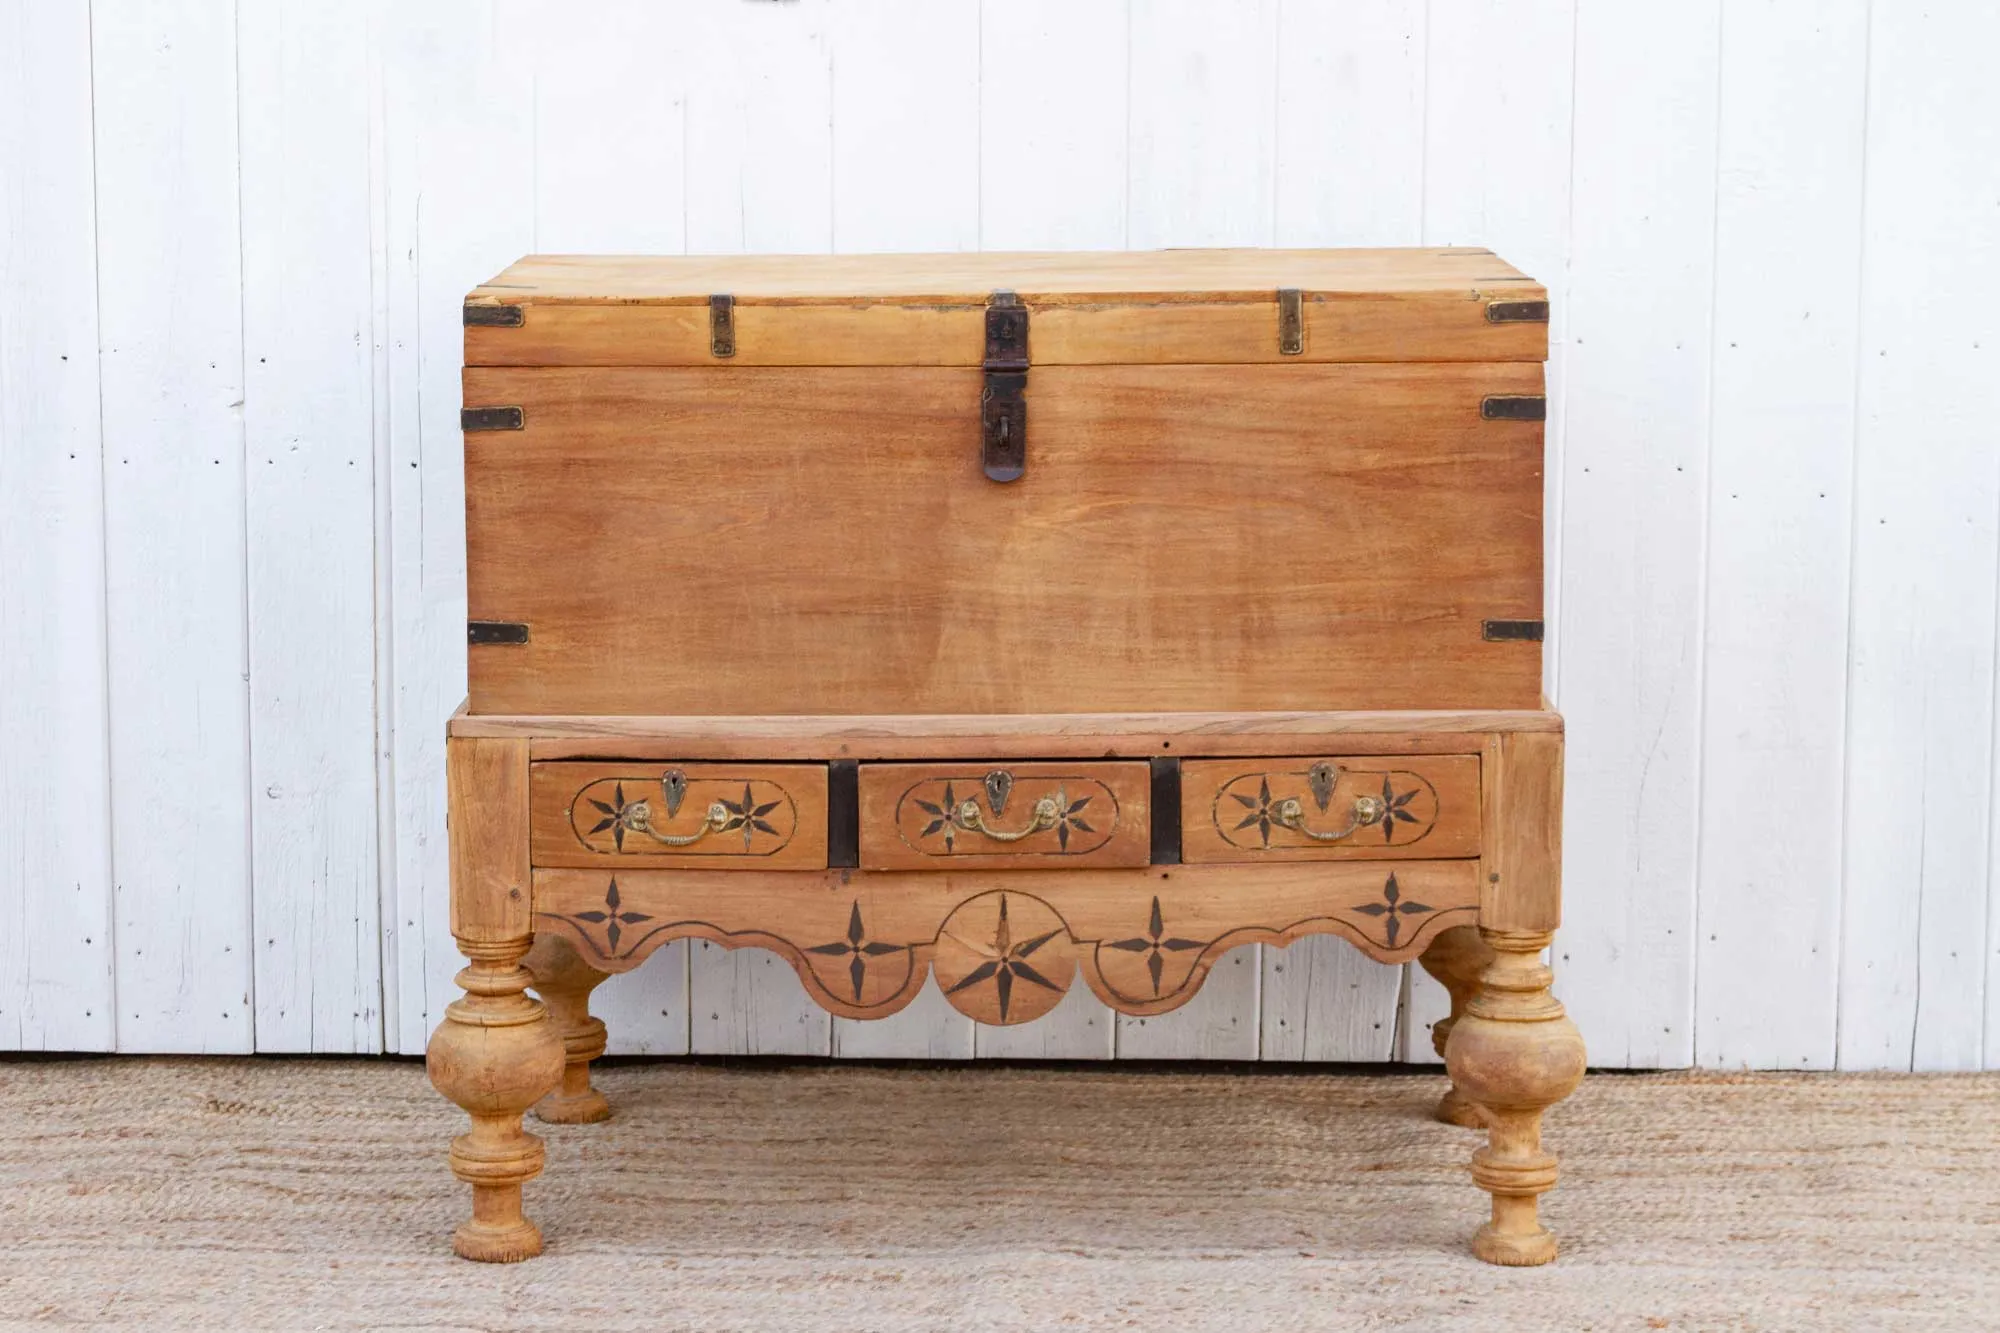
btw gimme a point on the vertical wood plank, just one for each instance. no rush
(906, 126)
(759, 169)
(457, 130)
(906, 135)
(1788, 262)
(755, 1006)
(757, 177)
(308, 313)
(56, 989)
(170, 302)
(1633, 487)
(1052, 150)
(1220, 1023)
(1927, 484)
(1350, 126)
(1203, 132)
(622, 65)
(1350, 123)
(1496, 172)
(1203, 168)
(1063, 141)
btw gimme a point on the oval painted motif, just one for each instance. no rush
(1252, 811)
(954, 815)
(672, 813)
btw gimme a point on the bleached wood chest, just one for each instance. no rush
(1011, 620)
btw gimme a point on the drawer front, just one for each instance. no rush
(717, 816)
(1330, 808)
(1000, 816)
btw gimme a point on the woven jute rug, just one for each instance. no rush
(297, 1194)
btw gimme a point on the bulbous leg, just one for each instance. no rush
(1514, 1052)
(1456, 958)
(565, 981)
(494, 1054)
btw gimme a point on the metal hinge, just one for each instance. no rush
(1291, 321)
(1509, 631)
(1003, 406)
(495, 631)
(491, 418)
(1517, 312)
(1514, 407)
(494, 316)
(722, 326)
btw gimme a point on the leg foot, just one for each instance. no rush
(494, 1054)
(1456, 958)
(1514, 1053)
(565, 981)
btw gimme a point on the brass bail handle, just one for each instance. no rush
(1292, 814)
(1046, 812)
(639, 819)
(1323, 778)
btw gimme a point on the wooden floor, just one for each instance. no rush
(282, 1194)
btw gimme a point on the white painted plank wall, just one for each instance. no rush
(232, 248)
(55, 787)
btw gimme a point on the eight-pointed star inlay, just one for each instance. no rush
(1006, 962)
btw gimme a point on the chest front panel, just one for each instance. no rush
(822, 540)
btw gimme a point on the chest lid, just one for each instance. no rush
(1163, 307)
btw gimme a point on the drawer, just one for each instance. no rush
(717, 816)
(1000, 816)
(1330, 808)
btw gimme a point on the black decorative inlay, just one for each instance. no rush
(1261, 817)
(1395, 807)
(943, 817)
(1008, 964)
(615, 817)
(1070, 819)
(857, 948)
(1154, 944)
(1393, 908)
(748, 816)
(612, 918)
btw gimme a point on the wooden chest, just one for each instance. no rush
(1004, 619)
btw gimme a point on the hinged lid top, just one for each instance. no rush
(1158, 307)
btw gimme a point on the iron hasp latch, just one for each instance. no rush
(1003, 405)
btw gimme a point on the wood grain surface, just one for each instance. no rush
(909, 815)
(1143, 939)
(1253, 537)
(769, 816)
(1429, 807)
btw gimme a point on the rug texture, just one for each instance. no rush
(312, 1194)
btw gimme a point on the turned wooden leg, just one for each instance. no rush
(565, 981)
(494, 1054)
(1514, 1052)
(1456, 958)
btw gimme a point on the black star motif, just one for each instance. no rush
(746, 816)
(615, 815)
(1008, 963)
(1393, 810)
(612, 918)
(943, 817)
(857, 948)
(1070, 819)
(1393, 907)
(1261, 814)
(1153, 946)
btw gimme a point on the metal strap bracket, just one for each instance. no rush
(1003, 405)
